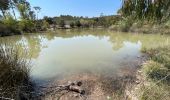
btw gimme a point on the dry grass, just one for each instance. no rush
(15, 82)
(156, 72)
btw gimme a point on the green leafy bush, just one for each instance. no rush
(125, 24)
(26, 25)
(72, 24)
(9, 26)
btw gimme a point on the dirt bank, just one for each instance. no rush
(97, 87)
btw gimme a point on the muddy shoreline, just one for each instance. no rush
(97, 87)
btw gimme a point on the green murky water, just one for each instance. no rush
(97, 51)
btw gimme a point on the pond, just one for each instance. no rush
(98, 51)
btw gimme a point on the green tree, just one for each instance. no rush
(72, 24)
(12, 6)
(45, 25)
(32, 15)
(62, 23)
(24, 8)
(4, 6)
(146, 9)
(78, 24)
(37, 9)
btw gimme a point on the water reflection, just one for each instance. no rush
(77, 51)
(81, 53)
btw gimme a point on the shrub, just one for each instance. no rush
(62, 23)
(8, 26)
(78, 24)
(45, 25)
(72, 24)
(125, 24)
(26, 25)
(15, 82)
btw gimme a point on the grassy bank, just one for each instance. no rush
(131, 25)
(156, 74)
(15, 82)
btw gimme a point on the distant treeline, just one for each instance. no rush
(68, 21)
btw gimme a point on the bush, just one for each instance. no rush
(45, 25)
(72, 24)
(78, 24)
(124, 25)
(15, 82)
(26, 25)
(62, 23)
(9, 26)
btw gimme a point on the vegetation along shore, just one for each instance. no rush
(123, 56)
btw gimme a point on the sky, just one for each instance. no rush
(90, 8)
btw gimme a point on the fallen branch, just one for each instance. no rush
(70, 87)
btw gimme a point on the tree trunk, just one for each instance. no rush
(3, 13)
(12, 6)
(14, 13)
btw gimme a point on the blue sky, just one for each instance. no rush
(88, 8)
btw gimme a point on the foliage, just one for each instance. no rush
(4, 6)
(62, 23)
(9, 24)
(104, 21)
(38, 10)
(84, 23)
(146, 9)
(125, 24)
(49, 20)
(26, 25)
(72, 24)
(15, 81)
(45, 25)
(78, 24)
(9, 21)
